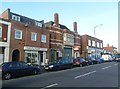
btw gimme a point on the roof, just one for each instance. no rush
(51, 23)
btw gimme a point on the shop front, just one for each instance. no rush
(76, 51)
(67, 52)
(91, 52)
(35, 55)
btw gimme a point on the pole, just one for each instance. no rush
(95, 38)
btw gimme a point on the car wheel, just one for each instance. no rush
(7, 76)
(87, 64)
(81, 65)
(34, 71)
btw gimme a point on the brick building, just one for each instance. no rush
(110, 49)
(77, 41)
(29, 39)
(35, 41)
(90, 46)
(63, 42)
(5, 30)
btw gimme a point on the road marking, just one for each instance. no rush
(50, 86)
(106, 67)
(85, 74)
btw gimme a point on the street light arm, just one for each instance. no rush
(98, 25)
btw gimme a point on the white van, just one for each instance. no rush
(107, 57)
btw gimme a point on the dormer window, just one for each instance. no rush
(16, 18)
(38, 24)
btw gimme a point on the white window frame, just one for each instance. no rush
(43, 38)
(89, 42)
(98, 44)
(38, 24)
(16, 18)
(35, 36)
(93, 43)
(101, 45)
(16, 37)
(0, 32)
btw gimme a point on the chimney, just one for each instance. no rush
(56, 19)
(107, 45)
(75, 26)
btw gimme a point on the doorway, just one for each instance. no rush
(16, 55)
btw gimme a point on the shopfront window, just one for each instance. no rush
(31, 57)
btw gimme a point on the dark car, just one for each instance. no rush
(59, 64)
(92, 61)
(76, 62)
(117, 58)
(100, 60)
(17, 68)
(83, 62)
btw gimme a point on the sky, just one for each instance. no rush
(86, 14)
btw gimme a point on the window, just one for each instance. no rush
(93, 43)
(43, 38)
(98, 44)
(18, 34)
(14, 17)
(38, 24)
(89, 42)
(0, 31)
(101, 45)
(33, 36)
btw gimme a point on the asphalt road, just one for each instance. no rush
(98, 75)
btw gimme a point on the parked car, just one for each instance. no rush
(76, 62)
(100, 60)
(107, 57)
(18, 68)
(59, 64)
(117, 58)
(92, 61)
(83, 62)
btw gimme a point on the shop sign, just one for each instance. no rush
(76, 47)
(34, 48)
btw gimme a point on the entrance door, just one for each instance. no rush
(52, 55)
(16, 55)
(41, 57)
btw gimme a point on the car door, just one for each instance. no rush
(15, 69)
(26, 69)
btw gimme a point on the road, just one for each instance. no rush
(98, 75)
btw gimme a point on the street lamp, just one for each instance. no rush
(95, 37)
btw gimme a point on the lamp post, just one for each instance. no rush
(95, 37)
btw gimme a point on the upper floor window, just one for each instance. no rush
(34, 36)
(18, 34)
(16, 18)
(43, 38)
(0, 31)
(89, 42)
(93, 43)
(98, 44)
(101, 45)
(38, 24)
